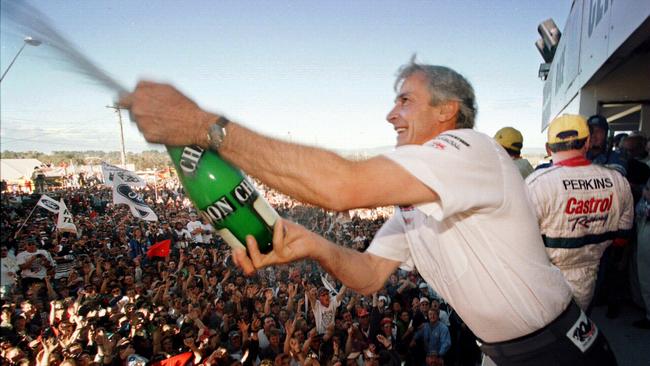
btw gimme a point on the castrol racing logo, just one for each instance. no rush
(585, 212)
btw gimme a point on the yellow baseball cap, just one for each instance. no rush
(567, 127)
(510, 138)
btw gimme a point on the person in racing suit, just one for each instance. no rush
(582, 207)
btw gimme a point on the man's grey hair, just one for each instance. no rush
(444, 84)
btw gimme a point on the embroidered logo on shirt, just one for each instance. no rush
(449, 139)
(438, 145)
(587, 184)
(586, 211)
(583, 333)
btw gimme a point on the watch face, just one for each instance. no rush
(216, 135)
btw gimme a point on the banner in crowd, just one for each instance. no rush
(160, 249)
(127, 177)
(64, 222)
(183, 359)
(327, 284)
(122, 193)
(48, 203)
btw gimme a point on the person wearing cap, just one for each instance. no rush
(599, 152)
(582, 207)
(324, 307)
(235, 344)
(361, 334)
(512, 140)
(457, 198)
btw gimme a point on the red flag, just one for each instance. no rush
(182, 359)
(160, 249)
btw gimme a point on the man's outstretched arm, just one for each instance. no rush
(312, 175)
(362, 272)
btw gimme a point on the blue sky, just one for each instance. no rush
(317, 72)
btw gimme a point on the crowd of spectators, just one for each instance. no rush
(95, 298)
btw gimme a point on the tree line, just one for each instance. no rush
(149, 159)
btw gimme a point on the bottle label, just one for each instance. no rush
(218, 210)
(190, 159)
(244, 193)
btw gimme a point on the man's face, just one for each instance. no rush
(597, 137)
(397, 307)
(424, 306)
(239, 281)
(364, 320)
(274, 340)
(435, 305)
(633, 147)
(413, 117)
(128, 280)
(324, 298)
(268, 324)
(433, 316)
(405, 316)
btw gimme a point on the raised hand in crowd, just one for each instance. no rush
(49, 345)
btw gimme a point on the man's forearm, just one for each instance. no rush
(361, 272)
(308, 174)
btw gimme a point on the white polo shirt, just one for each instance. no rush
(479, 245)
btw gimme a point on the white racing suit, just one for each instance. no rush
(582, 208)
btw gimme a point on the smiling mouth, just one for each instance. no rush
(400, 130)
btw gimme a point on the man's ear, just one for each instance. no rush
(449, 109)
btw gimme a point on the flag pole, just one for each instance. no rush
(24, 222)
(155, 183)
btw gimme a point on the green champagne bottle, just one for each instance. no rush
(225, 196)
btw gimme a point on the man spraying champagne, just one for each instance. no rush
(458, 196)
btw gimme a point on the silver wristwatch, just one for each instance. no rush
(217, 133)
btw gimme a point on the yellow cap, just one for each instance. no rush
(566, 128)
(510, 138)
